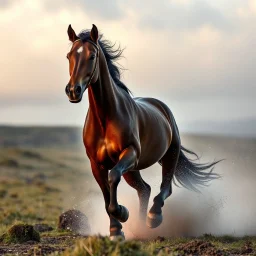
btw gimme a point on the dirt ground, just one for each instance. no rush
(69, 245)
(47, 245)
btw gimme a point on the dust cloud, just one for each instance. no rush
(227, 206)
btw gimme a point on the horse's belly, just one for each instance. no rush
(151, 156)
(155, 135)
(153, 149)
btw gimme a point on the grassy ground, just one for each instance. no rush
(36, 186)
(35, 194)
(64, 244)
(207, 245)
(40, 178)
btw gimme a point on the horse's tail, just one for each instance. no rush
(190, 174)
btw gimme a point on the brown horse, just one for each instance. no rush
(123, 135)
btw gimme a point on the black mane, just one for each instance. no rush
(111, 56)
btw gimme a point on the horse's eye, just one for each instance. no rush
(92, 57)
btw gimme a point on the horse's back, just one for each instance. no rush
(155, 109)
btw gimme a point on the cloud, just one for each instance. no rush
(247, 10)
(182, 15)
(109, 10)
(6, 3)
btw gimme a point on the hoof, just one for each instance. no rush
(119, 237)
(124, 214)
(154, 220)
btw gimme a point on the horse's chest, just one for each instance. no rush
(103, 146)
(105, 152)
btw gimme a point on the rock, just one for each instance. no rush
(42, 228)
(21, 233)
(75, 221)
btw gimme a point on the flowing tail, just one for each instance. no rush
(190, 174)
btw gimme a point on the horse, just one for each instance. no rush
(123, 134)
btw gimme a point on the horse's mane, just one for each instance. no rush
(111, 56)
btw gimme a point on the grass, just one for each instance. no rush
(98, 246)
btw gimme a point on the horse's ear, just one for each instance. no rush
(72, 34)
(94, 34)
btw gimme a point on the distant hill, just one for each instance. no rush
(237, 128)
(40, 136)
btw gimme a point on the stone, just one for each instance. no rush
(75, 221)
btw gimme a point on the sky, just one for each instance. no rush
(198, 56)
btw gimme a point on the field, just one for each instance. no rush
(45, 172)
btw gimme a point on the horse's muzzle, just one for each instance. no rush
(74, 93)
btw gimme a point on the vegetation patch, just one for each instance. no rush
(20, 233)
(98, 246)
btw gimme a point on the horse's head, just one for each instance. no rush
(83, 64)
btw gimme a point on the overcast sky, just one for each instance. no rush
(198, 56)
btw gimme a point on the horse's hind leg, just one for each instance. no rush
(134, 179)
(169, 163)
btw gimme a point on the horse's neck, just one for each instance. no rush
(103, 95)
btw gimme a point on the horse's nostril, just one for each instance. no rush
(78, 90)
(67, 89)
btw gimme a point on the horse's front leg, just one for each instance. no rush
(127, 161)
(101, 176)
